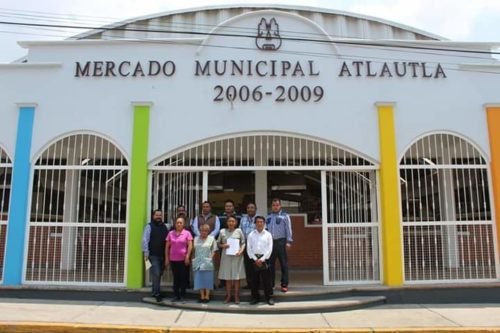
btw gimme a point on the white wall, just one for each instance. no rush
(184, 110)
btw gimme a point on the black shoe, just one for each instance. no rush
(254, 301)
(158, 298)
(247, 287)
(201, 300)
(270, 301)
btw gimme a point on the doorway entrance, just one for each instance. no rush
(300, 194)
(330, 193)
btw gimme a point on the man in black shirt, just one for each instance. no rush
(153, 248)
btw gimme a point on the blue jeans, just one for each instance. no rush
(156, 271)
(279, 252)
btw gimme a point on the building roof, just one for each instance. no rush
(178, 24)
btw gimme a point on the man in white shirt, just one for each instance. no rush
(259, 249)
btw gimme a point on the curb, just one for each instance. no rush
(336, 305)
(27, 327)
(30, 327)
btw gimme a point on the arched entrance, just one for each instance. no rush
(330, 192)
(448, 228)
(78, 219)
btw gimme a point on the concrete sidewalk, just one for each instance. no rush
(21, 315)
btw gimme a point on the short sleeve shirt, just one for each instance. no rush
(178, 244)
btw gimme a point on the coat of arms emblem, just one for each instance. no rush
(268, 35)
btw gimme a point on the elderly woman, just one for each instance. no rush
(232, 241)
(203, 266)
(179, 243)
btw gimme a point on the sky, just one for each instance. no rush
(458, 20)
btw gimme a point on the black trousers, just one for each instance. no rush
(279, 252)
(248, 267)
(180, 273)
(261, 277)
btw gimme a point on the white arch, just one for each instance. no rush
(260, 133)
(236, 18)
(468, 140)
(62, 136)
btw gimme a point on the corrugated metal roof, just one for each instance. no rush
(178, 24)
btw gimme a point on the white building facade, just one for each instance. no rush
(380, 139)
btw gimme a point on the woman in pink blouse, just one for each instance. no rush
(179, 243)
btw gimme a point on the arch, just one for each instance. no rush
(293, 35)
(429, 138)
(65, 139)
(79, 205)
(446, 210)
(257, 149)
(244, 163)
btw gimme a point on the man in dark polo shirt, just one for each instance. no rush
(153, 248)
(229, 210)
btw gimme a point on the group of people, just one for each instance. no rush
(249, 246)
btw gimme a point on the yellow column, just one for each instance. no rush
(390, 197)
(493, 117)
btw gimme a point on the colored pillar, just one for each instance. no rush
(16, 230)
(138, 215)
(390, 197)
(493, 118)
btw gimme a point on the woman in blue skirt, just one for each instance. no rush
(203, 266)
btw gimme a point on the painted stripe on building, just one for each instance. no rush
(493, 117)
(138, 215)
(16, 231)
(390, 197)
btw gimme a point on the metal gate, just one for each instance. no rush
(77, 227)
(350, 211)
(351, 227)
(448, 231)
(5, 183)
(172, 189)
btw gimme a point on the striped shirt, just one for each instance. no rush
(280, 226)
(247, 224)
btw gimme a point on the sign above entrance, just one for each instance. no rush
(284, 59)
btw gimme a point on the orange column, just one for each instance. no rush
(493, 117)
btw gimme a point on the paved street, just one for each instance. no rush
(442, 318)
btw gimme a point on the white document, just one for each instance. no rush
(234, 246)
(147, 264)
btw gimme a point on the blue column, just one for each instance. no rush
(16, 229)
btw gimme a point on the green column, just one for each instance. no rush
(138, 215)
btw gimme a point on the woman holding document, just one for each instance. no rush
(232, 242)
